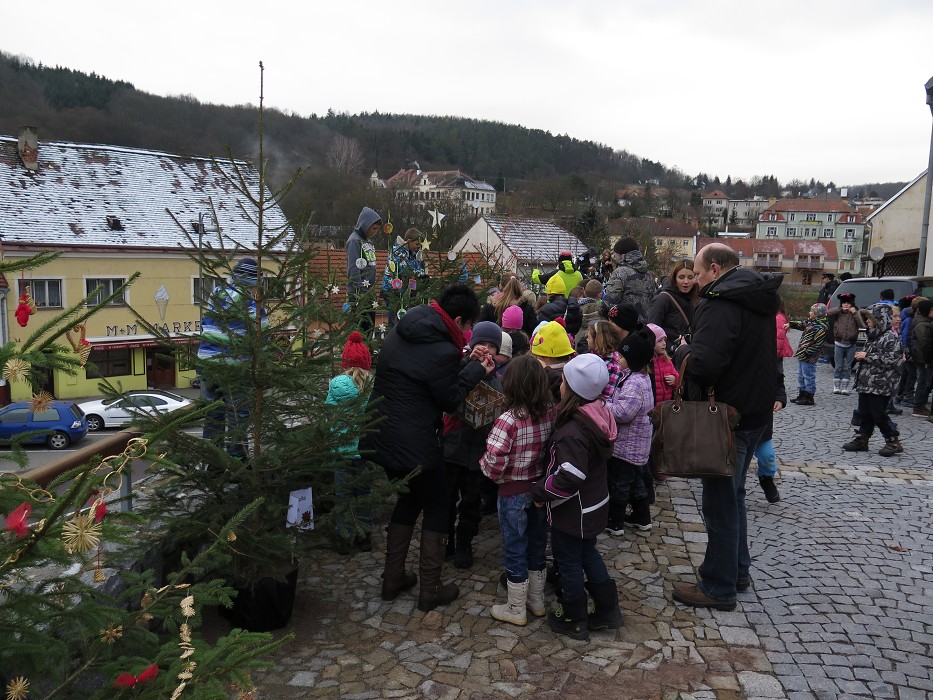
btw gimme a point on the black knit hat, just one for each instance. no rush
(625, 245)
(638, 349)
(847, 299)
(625, 316)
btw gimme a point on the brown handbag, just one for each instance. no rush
(693, 439)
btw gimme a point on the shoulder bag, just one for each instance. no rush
(693, 439)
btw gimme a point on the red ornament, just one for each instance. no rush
(128, 680)
(99, 512)
(23, 311)
(17, 521)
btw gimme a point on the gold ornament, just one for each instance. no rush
(17, 689)
(99, 575)
(231, 536)
(111, 634)
(40, 401)
(16, 370)
(187, 606)
(82, 534)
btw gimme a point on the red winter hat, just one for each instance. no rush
(355, 353)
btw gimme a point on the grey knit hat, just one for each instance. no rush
(488, 332)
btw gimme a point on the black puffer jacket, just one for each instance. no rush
(559, 307)
(666, 312)
(418, 378)
(733, 344)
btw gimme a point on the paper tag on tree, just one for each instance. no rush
(300, 509)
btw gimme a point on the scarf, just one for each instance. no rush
(456, 335)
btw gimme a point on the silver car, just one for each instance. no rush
(115, 411)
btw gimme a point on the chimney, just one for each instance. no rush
(28, 147)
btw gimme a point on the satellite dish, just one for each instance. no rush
(876, 253)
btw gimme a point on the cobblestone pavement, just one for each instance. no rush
(841, 606)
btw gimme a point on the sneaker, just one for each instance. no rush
(638, 526)
(921, 412)
(615, 530)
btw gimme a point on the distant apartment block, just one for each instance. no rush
(715, 205)
(745, 212)
(427, 186)
(817, 219)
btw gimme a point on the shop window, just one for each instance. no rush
(108, 363)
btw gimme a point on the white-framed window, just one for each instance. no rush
(773, 217)
(829, 218)
(210, 284)
(793, 216)
(107, 286)
(847, 248)
(792, 231)
(849, 234)
(47, 293)
(828, 233)
(772, 231)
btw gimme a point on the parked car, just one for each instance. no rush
(114, 411)
(58, 426)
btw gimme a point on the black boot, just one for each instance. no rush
(433, 592)
(800, 395)
(807, 399)
(394, 578)
(607, 615)
(570, 618)
(770, 488)
(463, 556)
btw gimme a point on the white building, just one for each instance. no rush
(427, 187)
(895, 229)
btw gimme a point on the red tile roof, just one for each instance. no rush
(817, 206)
(748, 247)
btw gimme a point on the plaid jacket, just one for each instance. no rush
(515, 451)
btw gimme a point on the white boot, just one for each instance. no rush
(514, 610)
(536, 604)
(837, 386)
(845, 387)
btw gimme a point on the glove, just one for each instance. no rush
(536, 276)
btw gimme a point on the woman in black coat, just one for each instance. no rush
(673, 306)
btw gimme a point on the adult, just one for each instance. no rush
(512, 294)
(418, 379)
(732, 351)
(673, 308)
(566, 270)
(404, 269)
(361, 262)
(228, 320)
(921, 354)
(630, 282)
(830, 283)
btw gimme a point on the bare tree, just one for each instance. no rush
(345, 155)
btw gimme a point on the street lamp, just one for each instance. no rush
(925, 224)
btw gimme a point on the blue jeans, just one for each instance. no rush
(727, 559)
(575, 557)
(767, 460)
(352, 481)
(806, 376)
(524, 536)
(843, 359)
(227, 423)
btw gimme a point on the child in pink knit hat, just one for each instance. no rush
(513, 318)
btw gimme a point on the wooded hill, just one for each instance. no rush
(337, 151)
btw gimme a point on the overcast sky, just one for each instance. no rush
(798, 88)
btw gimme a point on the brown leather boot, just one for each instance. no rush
(394, 578)
(433, 592)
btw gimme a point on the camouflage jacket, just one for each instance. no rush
(879, 372)
(631, 283)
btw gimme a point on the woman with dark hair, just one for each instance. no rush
(673, 307)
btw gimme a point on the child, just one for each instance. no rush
(353, 524)
(764, 451)
(845, 334)
(876, 380)
(513, 460)
(561, 306)
(552, 348)
(629, 405)
(504, 356)
(808, 353)
(463, 447)
(575, 491)
(662, 368)
(602, 339)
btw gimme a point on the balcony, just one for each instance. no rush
(809, 264)
(767, 264)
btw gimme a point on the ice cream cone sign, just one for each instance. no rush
(161, 300)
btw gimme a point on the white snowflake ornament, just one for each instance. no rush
(375, 304)
(366, 284)
(335, 289)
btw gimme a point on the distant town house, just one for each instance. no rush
(822, 220)
(803, 262)
(715, 206)
(745, 212)
(430, 186)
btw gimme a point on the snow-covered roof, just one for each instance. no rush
(533, 240)
(93, 195)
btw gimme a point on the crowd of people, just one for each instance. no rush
(577, 370)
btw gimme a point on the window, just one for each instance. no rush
(828, 233)
(210, 283)
(108, 363)
(107, 286)
(49, 415)
(829, 218)
(793, 216)
(46, 293)
(773, 217)
(17, 415)
(847, 248)
(792, 232)
(849, 234)
(772, 231)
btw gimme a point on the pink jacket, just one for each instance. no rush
(783, 344)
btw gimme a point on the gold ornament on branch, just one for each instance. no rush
(16, 370)
(17, 689)
(40, 402)
(82, 534)
(111, 634)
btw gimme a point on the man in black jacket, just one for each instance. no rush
(733, 350)
(418, 378)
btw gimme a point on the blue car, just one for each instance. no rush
(59, 425)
